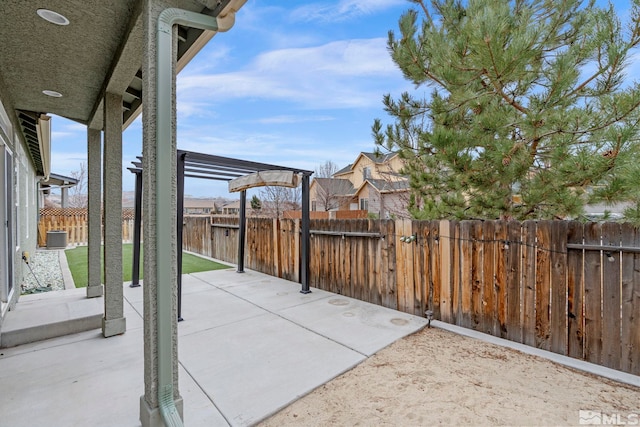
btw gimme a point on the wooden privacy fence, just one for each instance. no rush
(566, 287)
(74, 222)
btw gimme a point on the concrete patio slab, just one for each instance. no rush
(213, 308)
(260, 365)
(246, 349)
(364, 327)
(51, 314)
(230, 277)
(87, 382)
(274, 295)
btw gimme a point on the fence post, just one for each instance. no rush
(276, 247)
(444, 240)
(296, 251)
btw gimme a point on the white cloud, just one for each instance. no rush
(64, 163)
(64, 129)
(342, 10)
(293, 119)
(342, 74)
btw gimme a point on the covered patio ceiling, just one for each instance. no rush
(94, 47)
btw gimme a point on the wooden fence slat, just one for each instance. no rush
(362, 276)
(402, 249)
(575, 292)
(476, 275)
(388, 251)
(347, 286)
(435, 265)
(543, 286)
(420, 267)
(611, 297)
(630, 336)
(529, 282)
(456, 260)
(369, 267)
(514, 320)
(489, 303)
(558, 287)
(466, 265)
(341, 260)
(501, 279)
(446, 288)
(592, 296)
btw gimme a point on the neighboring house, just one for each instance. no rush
(231, 208)
(331, 194)
(372, 183)
(24, 161)
(383, 198)
(199, 206)
(267, 209)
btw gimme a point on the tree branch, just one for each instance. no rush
(500, 88)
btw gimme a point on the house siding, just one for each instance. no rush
(375, 204)
(394, 205)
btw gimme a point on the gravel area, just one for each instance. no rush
(45, 266)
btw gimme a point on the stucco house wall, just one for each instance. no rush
(18, 211)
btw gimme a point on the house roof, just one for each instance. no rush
(336, 186)
(385, 186)
(344, 169)
(379, 158)
(199, 203)
(375, 157)
(232, 205)
(101, 49)
(56, 180)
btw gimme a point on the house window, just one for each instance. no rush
(313, 205)
(364, 204)
(366, 172)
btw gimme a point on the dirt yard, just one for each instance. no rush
(436, 377)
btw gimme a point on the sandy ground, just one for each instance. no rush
(436, 377)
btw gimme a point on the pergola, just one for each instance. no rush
(190, 164)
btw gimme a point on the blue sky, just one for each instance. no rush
(292, 86)
(292, 83)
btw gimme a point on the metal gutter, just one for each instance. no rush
(164, 163)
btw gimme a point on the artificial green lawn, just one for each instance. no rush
(77, 260)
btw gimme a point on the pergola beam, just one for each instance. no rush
(190, 164)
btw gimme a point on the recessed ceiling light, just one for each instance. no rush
(52, 93)
(53, 17)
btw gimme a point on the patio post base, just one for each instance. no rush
(94, 291)
(114, 327)
(151, 417)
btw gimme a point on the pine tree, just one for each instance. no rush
(255, 202)
(530, 116)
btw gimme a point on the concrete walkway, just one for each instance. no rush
(250, 344)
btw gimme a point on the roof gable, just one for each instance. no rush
(374, 157)
(335, 186)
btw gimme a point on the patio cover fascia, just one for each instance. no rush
(190, 164)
